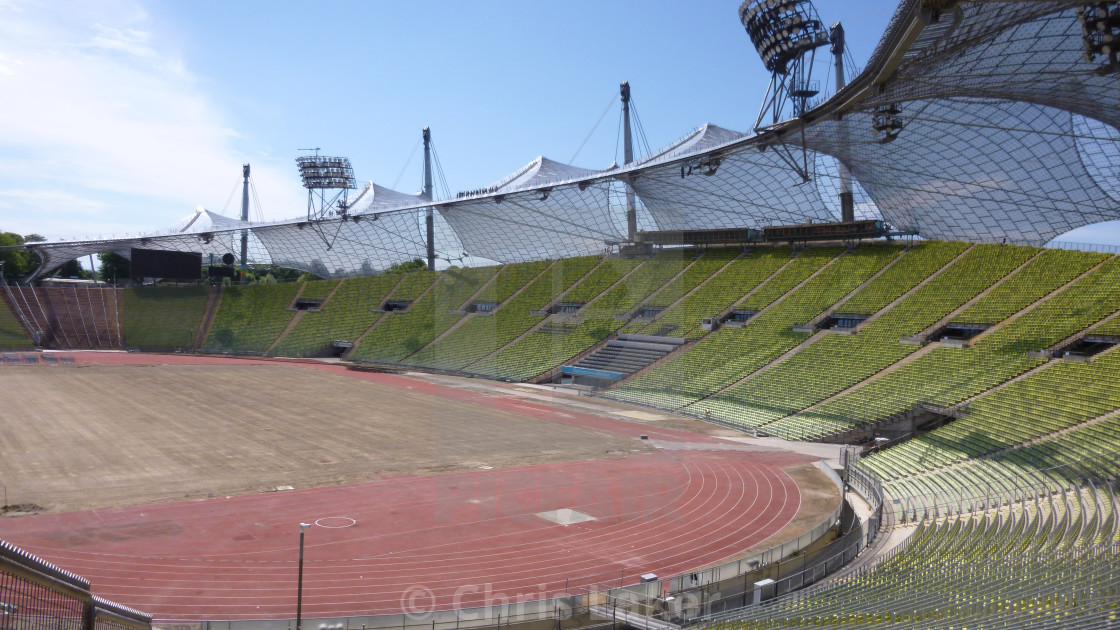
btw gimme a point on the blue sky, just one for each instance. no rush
(123, 117)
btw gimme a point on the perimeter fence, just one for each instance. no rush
(37, 595)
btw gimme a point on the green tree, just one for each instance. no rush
(114, 267)
(416, 264)
(18, 263)
(73, 269)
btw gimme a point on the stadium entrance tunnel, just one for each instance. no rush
(843, 321)
(919, 419)
(395, 305)
(304, 304)
(738, 317)
(957, 331)
(482, 308)
(1083, 348)
(565, 308)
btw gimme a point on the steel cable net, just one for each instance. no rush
(1018, 51)
(749, 188)
(212, 244)
(543, 210)
(568, 220)
(999, 170)
(339, 248)
(978, 121)
(728, 185)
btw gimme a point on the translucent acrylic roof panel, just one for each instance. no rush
(747, 188)
(1021, 51)
(972, 169)
(361, 245)
(706, 137)
(373, 199)
(540, 172)
(216, 244)
(560, 221)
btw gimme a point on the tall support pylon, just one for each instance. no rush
(628, 157)
(245, 217)
(429, 219)
(847, 203)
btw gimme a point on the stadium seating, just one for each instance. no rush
(401, 333)
(412, 285)
(727, 285)
(1053, 399)
(483, 335)
(947, 376)
(317, 289)
(13, 336)
(1043, 274)
(511, 279)
(250, 318)
(344, 317)
(708, 264)
(1025, 471)
(729, 354)
(162, 318)
(76, 316)
(1012, 567)
(607, 301)
(837, 362)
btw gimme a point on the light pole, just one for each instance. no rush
(299, 589)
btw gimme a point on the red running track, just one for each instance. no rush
(427, 543)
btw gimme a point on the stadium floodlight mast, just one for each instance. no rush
(628, 157)
(245, 218)
(429, 218)
(299, 588)
(786, 34)
(321, 175)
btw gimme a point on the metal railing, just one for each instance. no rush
(36, 594)
(672, 600)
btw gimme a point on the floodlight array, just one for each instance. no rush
(321, 171)
(782, 30)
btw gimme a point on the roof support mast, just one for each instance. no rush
(245, 217)
(847, 203)
(429, 219)
(628, 157)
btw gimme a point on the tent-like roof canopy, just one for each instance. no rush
(374, 199)
(1001, 128)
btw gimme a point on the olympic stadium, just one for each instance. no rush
(833, 371)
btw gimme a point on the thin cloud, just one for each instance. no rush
(108, 119)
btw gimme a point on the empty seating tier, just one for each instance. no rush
(349, 312)
(71, 317)
(162, 318)
(250, 318)
(482, 336)
(13, 335)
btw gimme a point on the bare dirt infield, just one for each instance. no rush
(154, 467)
(102, 436)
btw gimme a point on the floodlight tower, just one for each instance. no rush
(786, 34)
(429, 219)
(328, 181)
(628, 157)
